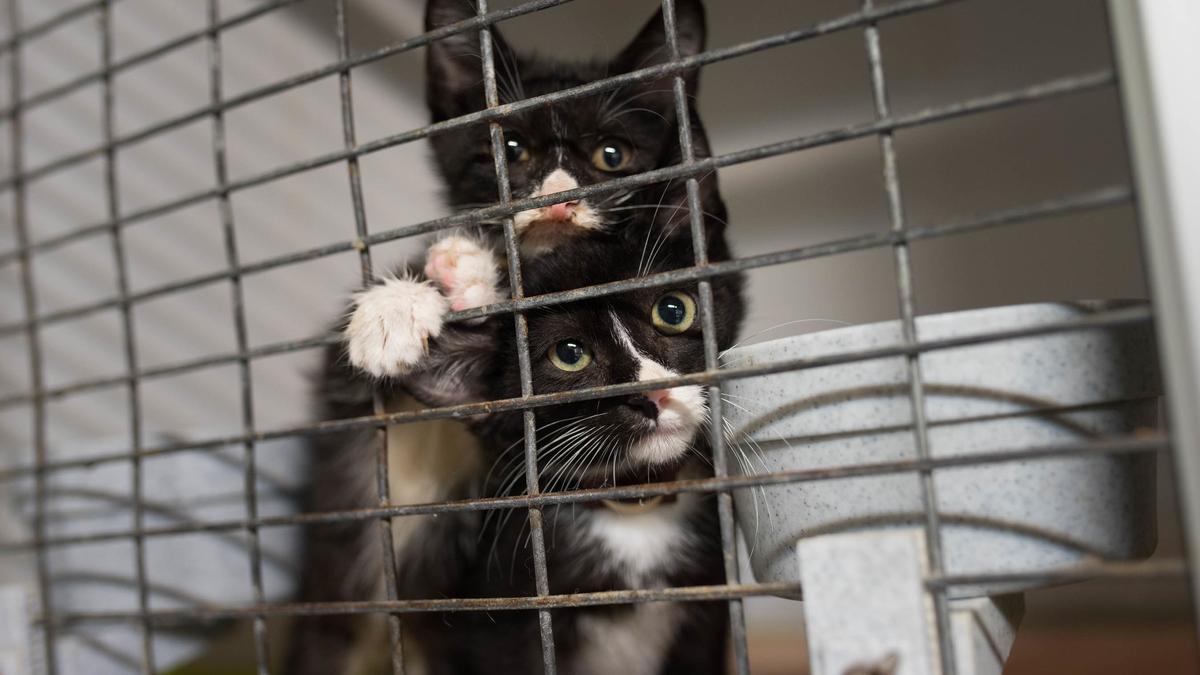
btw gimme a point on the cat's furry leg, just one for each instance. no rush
(392, 322)
(396, 342)
(342, 561)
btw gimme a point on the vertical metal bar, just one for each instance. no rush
(537, 533)
(29, 299)
(725, 514)
(382, 479)
(904, 285)
(1155, 51)
(237, 301)
(128, 336)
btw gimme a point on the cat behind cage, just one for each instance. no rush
(397, 342)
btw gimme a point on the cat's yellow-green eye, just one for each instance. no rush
(570, 355)
(612, 155)
(673, 313)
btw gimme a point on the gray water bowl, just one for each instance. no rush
(1014, 517)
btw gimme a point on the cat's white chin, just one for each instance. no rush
(669, 439)
(658, 447)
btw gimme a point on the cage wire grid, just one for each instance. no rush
(897, 237)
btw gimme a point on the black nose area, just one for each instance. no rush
(643, 405)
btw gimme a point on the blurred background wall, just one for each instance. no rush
(948, 171)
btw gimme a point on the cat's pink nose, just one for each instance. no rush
(659, 397)
(561, 211)
(649, 403)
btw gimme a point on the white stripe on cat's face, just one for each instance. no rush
(680, 409)
(541, 229)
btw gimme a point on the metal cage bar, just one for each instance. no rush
(1106, 318)
(157, 51)
(33, 339)
(20, 35)
(521, 326)
(691, 169)
(1058, 87)
(254, 94)
(1092, 199)
(720, 461)
(1121, 445)
(847, 22)
(238, 303)
(129, 340)
(908, 324)
(1167, 570)
(382, 475)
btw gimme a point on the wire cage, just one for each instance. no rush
(104, 220)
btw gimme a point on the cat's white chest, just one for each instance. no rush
(641, 547)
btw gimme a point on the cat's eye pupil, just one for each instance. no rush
(569, 351)
(613, 157)
(514, 150)
(673, 313)
(672, 310)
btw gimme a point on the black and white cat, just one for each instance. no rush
(397, 343)
(628, 130)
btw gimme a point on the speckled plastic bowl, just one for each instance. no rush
(1011, 517)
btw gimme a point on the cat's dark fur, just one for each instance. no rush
(469, 554)
(565, 134)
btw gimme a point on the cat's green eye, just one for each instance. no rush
(570, 355)
(673, 313)
(612, 155)
(515, 150)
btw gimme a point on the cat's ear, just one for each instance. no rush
(649, 48)
(453, 66)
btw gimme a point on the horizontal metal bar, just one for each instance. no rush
(1150, 570)
(254, 94)
(1100, 319)
(152, 53)
(1172, 569)
(177, 368)
(1104, 197)
(594, 599)
(1168, 569)
(49, 24)
(64, 88)
(1101, 198)
(491, 114)
(1038, 92)
(1107, 446)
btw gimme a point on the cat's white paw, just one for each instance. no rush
(391, 325)
(465, 271)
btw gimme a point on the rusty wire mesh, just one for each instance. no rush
(897, 237)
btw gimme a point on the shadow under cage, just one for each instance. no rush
(194, 190)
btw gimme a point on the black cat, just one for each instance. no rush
(397, 343)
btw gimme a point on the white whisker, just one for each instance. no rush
(777, 327)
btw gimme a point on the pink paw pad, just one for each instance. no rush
(465, 271)
(440, 268)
